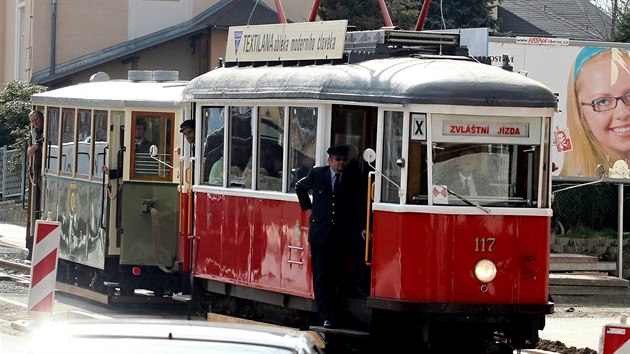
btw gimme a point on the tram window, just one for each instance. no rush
(240, 145)
(392, 151)
(152, 128)
(270, 151)
(84, 138)
(213, 129)
(100, 141)
(502, 175)
(52, 138)
(302, 141)
(67, 140)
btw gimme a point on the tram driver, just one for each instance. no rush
(335, 229)
(468, 177)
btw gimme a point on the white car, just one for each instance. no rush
(167, 336)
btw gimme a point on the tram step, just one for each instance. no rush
(339, 331)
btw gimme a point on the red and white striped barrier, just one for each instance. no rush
(616, 338)
(41, 291)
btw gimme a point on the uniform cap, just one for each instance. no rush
(187, 124)
(339, 150)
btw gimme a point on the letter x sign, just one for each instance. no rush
(418, 127)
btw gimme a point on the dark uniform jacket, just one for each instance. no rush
(36, 137)
(344, 208)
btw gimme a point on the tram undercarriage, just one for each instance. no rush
(443, 328)
(117, 281)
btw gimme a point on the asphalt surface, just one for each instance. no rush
(577, 321)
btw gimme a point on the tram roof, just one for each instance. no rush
(389, 81)
(115, 94)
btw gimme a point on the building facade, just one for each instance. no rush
(61, 42)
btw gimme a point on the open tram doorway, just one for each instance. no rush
(355, 126)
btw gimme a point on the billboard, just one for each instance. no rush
(591, 81)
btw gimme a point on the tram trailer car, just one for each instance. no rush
(448, 272)
(119, 228)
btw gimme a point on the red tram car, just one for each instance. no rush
(443, 263)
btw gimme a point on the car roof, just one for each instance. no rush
(149, 335)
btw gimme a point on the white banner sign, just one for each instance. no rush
(291, 41)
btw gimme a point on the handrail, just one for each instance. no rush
(104, 194)
(368, 234)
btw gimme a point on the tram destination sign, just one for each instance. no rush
(486, 129)
(480, 128)
(287, 41)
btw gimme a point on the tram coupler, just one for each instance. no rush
(147, 205)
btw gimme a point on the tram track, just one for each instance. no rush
(17, 272)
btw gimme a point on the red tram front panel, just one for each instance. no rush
(430, 257)
(254, 242)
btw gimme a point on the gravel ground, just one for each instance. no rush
(566, 307)
(9, 286)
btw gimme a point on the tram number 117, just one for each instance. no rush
(483, 244)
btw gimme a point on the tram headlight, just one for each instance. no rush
(485, 270)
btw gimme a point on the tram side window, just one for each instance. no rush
(302, 141)
(240, 146)
(67, 140)
(100, 141)
(392, 151)
(270, 151)
(52, 138)
(84, 138)
(152, 128)
(213, 130)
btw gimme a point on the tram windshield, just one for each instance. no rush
(475, 160)
(487, 174)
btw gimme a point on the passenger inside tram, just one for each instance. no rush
(143, 163)
(484, 173)
(467, 175)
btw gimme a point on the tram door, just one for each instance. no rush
(116, 152)
(355, 126)
(149, 206)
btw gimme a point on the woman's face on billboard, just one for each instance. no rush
(603, 89)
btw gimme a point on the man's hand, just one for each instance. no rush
(363, 234)
(32, 149)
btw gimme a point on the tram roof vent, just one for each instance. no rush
(140, 75)
(388, 42)
(99, 77)
(166, 75)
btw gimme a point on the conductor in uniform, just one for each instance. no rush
(336, 229)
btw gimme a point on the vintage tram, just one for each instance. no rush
(443, 262)
(118, 206)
